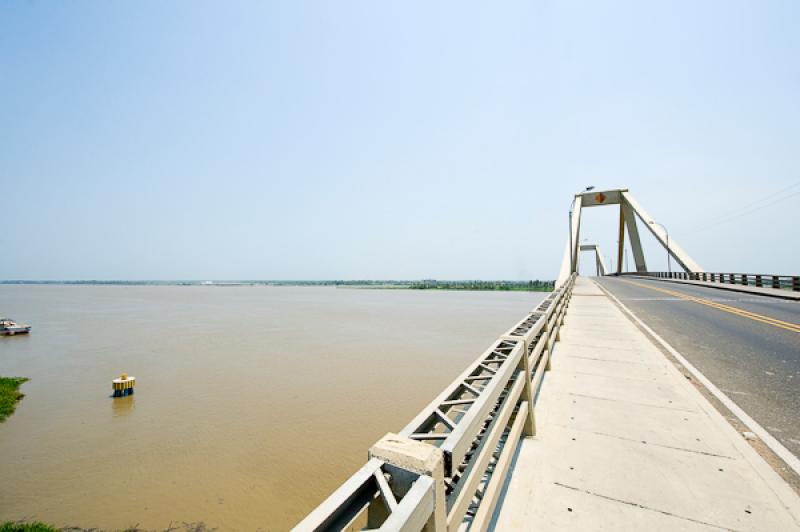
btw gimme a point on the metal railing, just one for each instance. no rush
(784, 282)
(445, 470)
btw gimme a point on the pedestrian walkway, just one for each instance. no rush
(625, 442)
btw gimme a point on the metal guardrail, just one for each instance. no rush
(785, 282)
(445, 470)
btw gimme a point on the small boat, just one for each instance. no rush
(10, 327)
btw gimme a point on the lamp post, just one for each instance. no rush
(669, 263)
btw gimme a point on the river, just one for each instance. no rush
(252, 403)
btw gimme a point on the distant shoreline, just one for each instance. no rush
(428, 284)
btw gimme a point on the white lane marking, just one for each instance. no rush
(734, 392)
(776, 446)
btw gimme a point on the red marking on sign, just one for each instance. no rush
(600, 197)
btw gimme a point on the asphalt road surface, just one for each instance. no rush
(748, 346)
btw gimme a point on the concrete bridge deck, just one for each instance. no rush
(626, 442)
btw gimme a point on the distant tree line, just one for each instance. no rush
(527, 286)
(427, 284)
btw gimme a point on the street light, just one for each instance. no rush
(571, 207)
(669, 263)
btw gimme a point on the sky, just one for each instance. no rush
(377, 140)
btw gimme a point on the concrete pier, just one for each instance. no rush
(626, 442)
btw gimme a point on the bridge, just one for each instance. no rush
(628, 401)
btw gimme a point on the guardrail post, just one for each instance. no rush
(776, 281)
(744, 279)
(529, 429)
(758, 281)
(546, 338)
(731, 278)
(796, 283)
(419, 458)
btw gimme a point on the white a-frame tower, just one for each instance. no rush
(629, 209)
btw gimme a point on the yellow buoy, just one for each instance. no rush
(123, 385)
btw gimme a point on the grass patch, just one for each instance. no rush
(9, 395)
(18, 526)
(36, 526)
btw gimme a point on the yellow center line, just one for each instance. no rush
(794, 327)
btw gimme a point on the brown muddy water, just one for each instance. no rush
(252, 403)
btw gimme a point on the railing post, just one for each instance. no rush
(529, 429)
(758, 281)
(776, 281)
(546, 339)
(731, 278)
(744, 279)
(419, 458)
(796, 283)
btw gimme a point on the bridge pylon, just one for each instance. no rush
(629, 210)
(600, 264)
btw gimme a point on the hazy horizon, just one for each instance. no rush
(373, 141)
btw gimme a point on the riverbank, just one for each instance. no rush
(9, 396)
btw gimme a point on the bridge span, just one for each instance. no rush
(583, 417)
